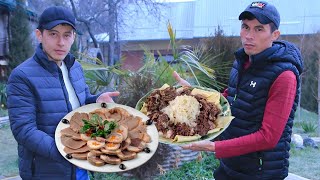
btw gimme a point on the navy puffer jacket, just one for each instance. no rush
(248, 94)
(37, 101)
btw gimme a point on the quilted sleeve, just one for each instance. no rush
(89, 97)
(22, 114)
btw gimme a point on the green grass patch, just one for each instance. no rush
(9, 153)
(307, 125)
(197, 169)
(305, 162)
(3, 112)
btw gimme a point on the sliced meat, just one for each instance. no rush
(131, 122)
(122, 130)
(71, 143)
(100, 112)
(94, 144)
(80, 150)
(110, 152)
(95, 152)
(81, 156)
(117, 114)
(76, 121)
(70, 133)
(114, 138)
(94, 160)
(125, 144)
(135, 134)
(126, 155)
(136, 145)
(146, 138)
(112, 146)
(110, 159)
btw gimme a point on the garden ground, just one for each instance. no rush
(303, 162)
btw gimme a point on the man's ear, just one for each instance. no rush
(275, 35)
(38, 35)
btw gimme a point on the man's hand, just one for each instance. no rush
(180, 81)
(107, 97)
(200, 146)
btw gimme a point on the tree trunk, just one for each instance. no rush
(112, 31)
(319, 96)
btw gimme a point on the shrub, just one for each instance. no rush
(3, 96)
(308, 127)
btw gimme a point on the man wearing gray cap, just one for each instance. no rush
(41, 91)
(263, 93)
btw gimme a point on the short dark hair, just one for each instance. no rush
(273, 27)
(250, 16)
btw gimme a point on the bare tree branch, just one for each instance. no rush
(86, 23)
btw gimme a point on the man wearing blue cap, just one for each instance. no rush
(263, 93)
(41, 91)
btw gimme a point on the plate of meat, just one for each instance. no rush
(106, 137)
(186, 114)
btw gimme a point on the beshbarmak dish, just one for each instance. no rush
(185, 114)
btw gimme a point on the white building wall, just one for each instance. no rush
(200, 18)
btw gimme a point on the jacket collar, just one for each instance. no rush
(280, 51)
(51, 66)
(260, 59)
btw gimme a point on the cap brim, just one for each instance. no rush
(53, 24)
(260, 17)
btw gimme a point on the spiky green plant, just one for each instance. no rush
(99, 76)
(308, 126)
(197, 63)
(191, 64)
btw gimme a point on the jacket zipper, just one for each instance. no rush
(33, 165)
(260, 161)
(240, 72)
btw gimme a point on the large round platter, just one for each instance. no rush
(225, 118)
(142, 157)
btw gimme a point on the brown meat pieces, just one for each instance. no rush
(161, 98)
(208, 114)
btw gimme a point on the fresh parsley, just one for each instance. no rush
(97, 127)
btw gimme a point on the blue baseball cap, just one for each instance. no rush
(264, 12)
(54, 16)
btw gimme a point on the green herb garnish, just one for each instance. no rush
(97, 127)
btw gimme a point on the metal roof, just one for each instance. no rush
(200, 18)
(10, 4)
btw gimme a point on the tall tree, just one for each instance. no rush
(317, 47)
(106, 17)
(20, 44)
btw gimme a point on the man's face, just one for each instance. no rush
(56, 43)
(256, 37)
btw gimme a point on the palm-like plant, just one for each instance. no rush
(99, 76)
(197, 63)
(192, 64)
